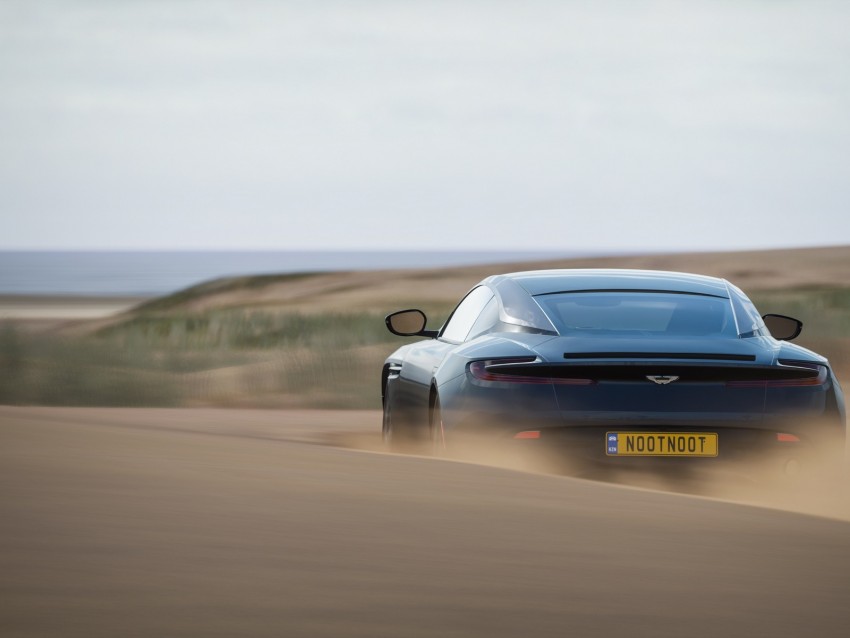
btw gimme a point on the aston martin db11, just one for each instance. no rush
(622, 367)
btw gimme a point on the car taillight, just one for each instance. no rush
(479, 372)
(528, 434)
(820, 379)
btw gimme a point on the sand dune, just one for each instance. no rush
(242, 523)
(750, 270)
(389, 289)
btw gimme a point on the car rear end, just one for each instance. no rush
(634, 410)
(670, 379)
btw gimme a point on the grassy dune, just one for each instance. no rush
(318, 339)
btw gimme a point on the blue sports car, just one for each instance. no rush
(614, 367)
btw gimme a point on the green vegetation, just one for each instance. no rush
(164, 354)
(825, 313)
(227, 356)
(64, 371)
(240, 330)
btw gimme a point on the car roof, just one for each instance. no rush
(541, 282)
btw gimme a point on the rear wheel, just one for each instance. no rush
(438, 431)
(387, 427)
(398, 436)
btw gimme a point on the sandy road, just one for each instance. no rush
(235, 523)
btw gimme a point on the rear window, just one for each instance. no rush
(639, 313)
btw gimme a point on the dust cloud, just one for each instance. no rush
(817, 486)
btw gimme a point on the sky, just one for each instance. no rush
(457, 125)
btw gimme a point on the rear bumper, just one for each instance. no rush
(736, 443)
(813, 441)
(747, 431)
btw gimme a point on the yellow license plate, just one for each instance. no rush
(661, 443)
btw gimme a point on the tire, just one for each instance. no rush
(398, 437)
(437, 431)
(386, 428)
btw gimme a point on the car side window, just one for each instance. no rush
(750, 323)
(488, 318)
(465, 315)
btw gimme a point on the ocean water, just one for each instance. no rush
(149, 273)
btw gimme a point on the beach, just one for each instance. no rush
(201, 521)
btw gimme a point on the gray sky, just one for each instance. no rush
(417, 124)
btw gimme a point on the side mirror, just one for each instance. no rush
(782, 327)
(409, 323)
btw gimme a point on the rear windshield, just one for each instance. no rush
(639, 313)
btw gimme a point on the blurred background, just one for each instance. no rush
(215, 203)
